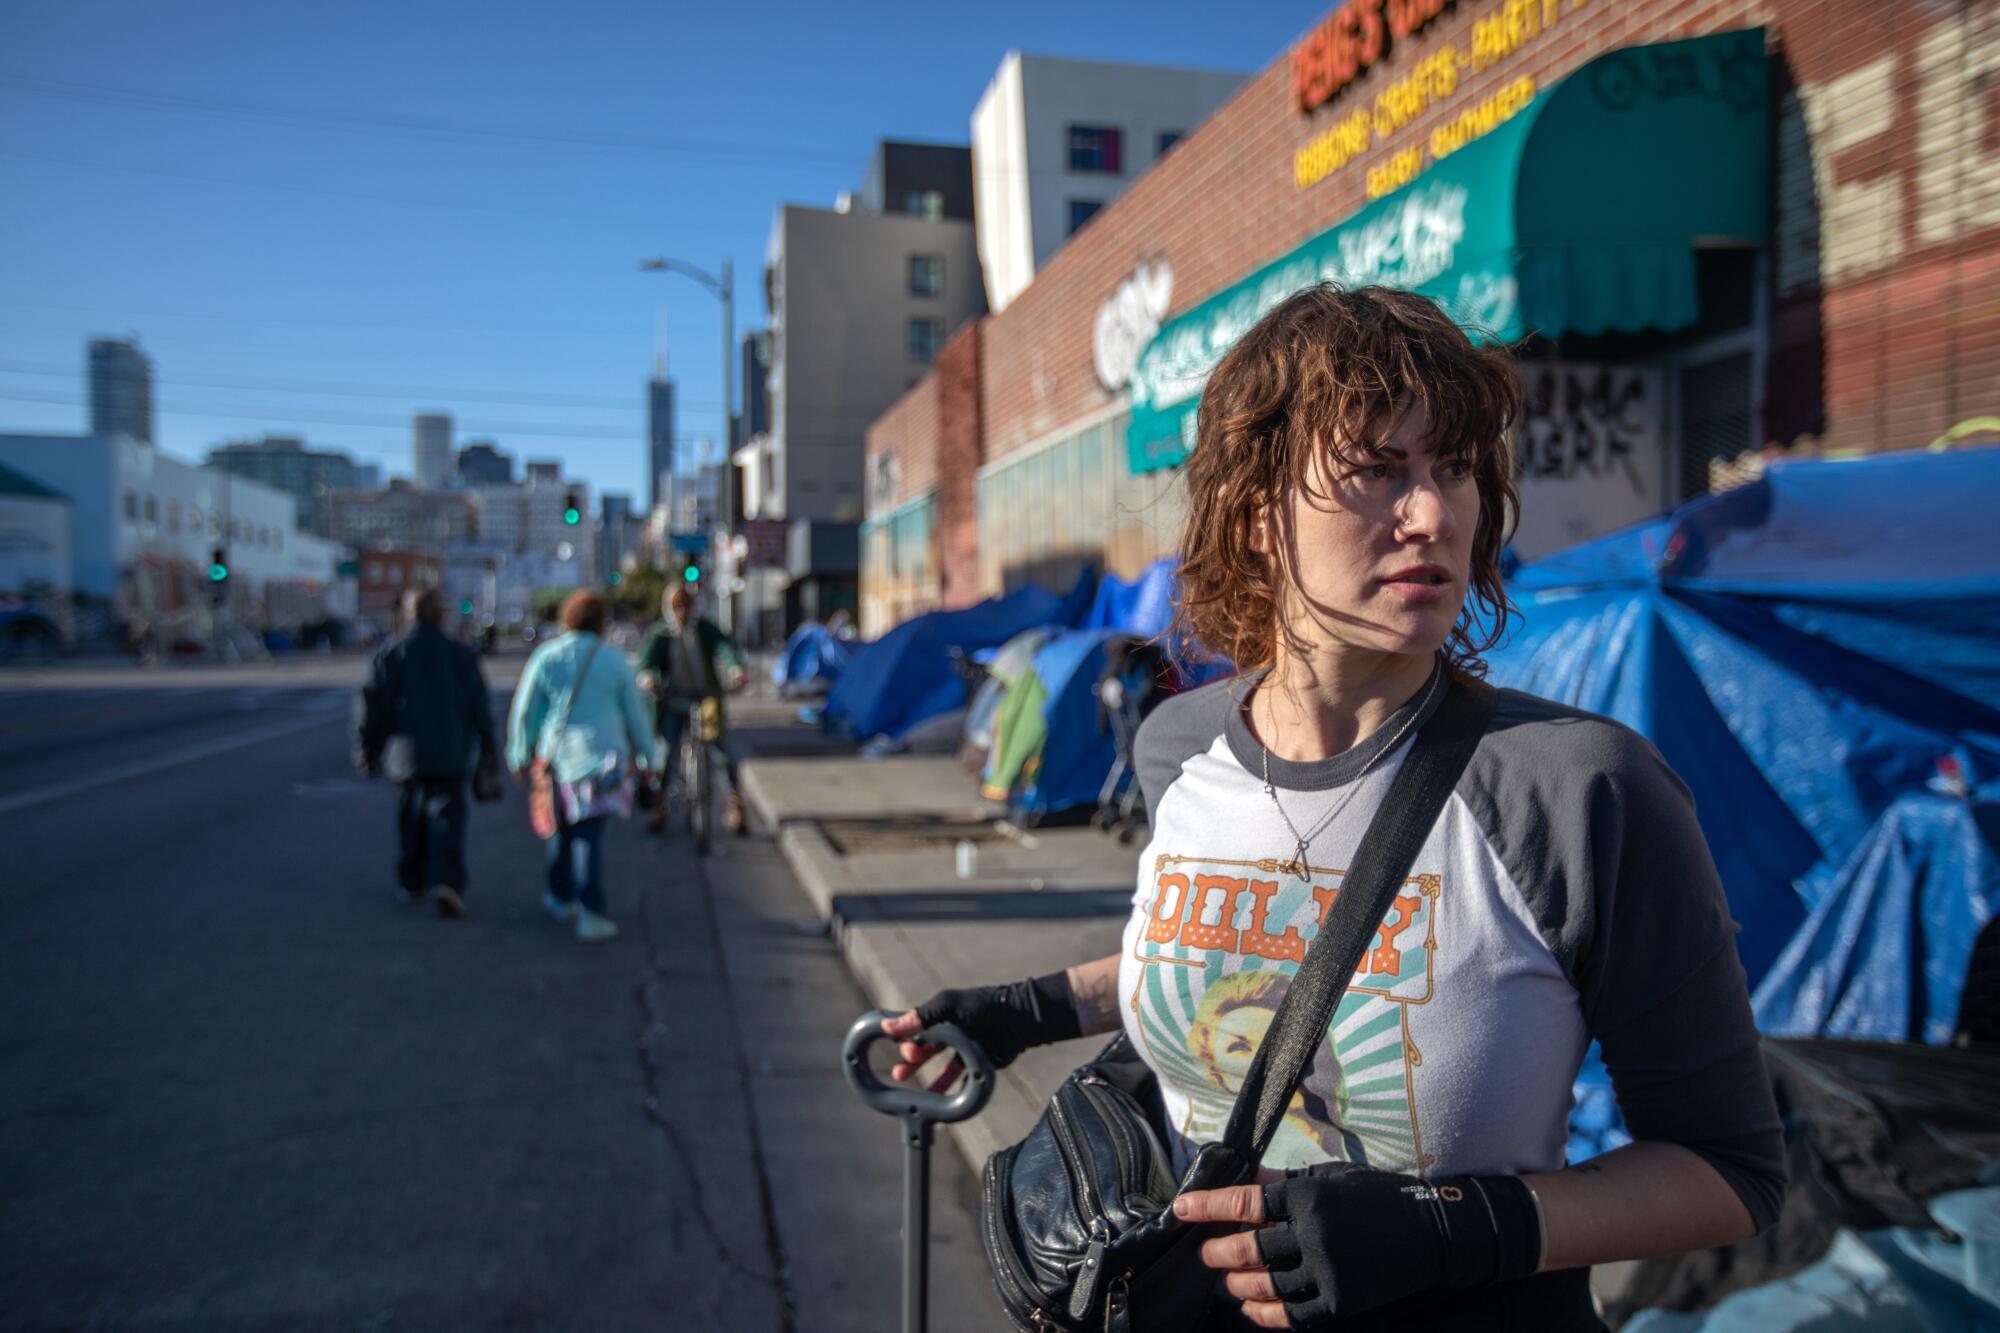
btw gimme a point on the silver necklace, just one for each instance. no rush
(1297, 865)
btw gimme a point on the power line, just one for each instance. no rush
(242, 412)
(516, 399)
(509, 210)
(322, 118)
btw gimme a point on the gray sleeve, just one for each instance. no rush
(1600, 835)
(1178, 730)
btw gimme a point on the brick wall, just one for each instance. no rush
(1889, 296)
(960, 451)
(1884, 263)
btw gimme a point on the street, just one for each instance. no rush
(248, 1086)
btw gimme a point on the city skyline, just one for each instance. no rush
(465, 260)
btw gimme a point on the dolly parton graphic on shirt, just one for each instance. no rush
(1218, 950)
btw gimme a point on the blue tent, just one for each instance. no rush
(1883, 955)
(1076, 755)
(1801, 649)
(811, 662)
(1144, 607)
(906, 676)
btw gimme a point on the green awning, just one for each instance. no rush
(1579, 214)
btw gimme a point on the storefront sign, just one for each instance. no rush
(1496, 37)
(1590, 453)
(1352, 38)
(1128, 319)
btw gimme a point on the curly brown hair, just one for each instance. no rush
(1329, 370)
(584, 611)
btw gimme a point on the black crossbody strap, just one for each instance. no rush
(1443, 747)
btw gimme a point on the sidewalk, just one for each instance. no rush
(875, 844)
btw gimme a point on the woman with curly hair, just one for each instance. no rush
(1348, 497)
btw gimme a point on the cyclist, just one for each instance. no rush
(685, 660)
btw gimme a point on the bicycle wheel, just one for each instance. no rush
(700, 794)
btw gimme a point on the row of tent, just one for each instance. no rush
(1817, 653)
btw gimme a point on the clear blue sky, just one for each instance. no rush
(253, 188)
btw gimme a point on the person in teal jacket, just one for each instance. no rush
(578, 710)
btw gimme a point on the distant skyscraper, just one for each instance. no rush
(481, 464)
(659, 438)
(312, 477)
(121, 389)
(430, 449)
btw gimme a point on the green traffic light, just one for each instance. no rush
(616, 578)
(571, 517)
(692, 574)
(465, 606)
(217, 573)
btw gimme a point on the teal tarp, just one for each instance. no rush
(1581, 213)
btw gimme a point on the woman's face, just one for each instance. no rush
(1380, 551)
(1238, 1033)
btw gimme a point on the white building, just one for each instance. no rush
(145, 528)
(430, 450)
(532, 518)
(1054, 141)
(35, 559)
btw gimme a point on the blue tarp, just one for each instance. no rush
(1890, 1280)
(1076, 755)
(1143, 607)
(906, 676)
(1883, 955)
(1801, 649)
(812, 660)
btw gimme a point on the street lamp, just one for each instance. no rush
(720, 288)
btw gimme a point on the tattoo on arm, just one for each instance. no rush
(1095, 988)
(1586, 1168)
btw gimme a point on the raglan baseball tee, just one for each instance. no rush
(1565, 894)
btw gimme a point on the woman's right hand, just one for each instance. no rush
(1005, 1020)
(912, 1055)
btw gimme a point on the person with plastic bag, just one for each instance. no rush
(576, 734)
(423, 718)
(1349, 495)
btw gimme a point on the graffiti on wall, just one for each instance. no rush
(1589, 452)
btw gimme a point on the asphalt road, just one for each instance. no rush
(244, 1086)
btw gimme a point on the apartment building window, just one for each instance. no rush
(152, 510)
(1082, 211)
(131, 507)
(926, 275)
(173, 516)
(1096, 148)
(1168, 138)
(925, 204)
(926, 336)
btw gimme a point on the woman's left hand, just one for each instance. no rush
(1337, 1240)
(1246, 1275)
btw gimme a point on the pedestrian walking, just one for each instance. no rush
(685, 660)
(425, 721)
(1348, 498)
(576, 733)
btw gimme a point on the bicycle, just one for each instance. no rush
(696, 763)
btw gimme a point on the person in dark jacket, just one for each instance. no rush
(424, 720)
(684, 660)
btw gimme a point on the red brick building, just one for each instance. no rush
(384, 576)
(1854, 304)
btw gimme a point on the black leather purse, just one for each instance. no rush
(1077, 1219)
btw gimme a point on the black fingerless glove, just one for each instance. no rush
(1007, 1020)
(1342, 1239)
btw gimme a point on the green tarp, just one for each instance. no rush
(1579, 214)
